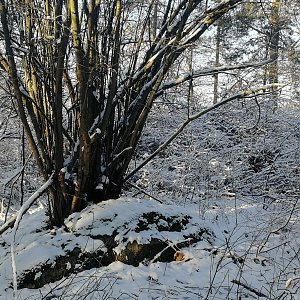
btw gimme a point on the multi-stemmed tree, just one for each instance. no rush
(85, 74)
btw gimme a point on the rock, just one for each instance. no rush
(126, 231)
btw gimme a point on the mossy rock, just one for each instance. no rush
(147, 237)
(163, 223)
(73, 262)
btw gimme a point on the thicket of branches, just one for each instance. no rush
(85, 74)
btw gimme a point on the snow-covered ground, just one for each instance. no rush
(235, 172)
(254, 254)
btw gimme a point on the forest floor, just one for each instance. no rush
(232, 173)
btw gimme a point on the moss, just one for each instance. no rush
(73, 262)
(163, 223)
(133, 253)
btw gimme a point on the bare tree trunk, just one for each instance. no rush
(191, 85)
(87, 84)
(274, 38)
(274, 41)
(154, 19)
(217, 63)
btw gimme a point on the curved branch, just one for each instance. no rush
(245, 94)
(11, 221)
(210, 71)
(17, 221)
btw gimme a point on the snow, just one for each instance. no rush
(18, 218)
(208, 270)
(207, 174)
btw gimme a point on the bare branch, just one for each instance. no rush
(245, 94)
(249, 288)
(17, 221)
(209, 71)
(26, 206)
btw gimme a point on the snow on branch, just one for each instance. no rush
(210, 71)
(17, 219)
(249, 288)
(11, 221)
(195, 30)
(244, 94)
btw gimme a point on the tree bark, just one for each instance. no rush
(87, 85)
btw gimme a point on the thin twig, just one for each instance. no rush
(144, 192)
(259, 250)
(247, 287)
